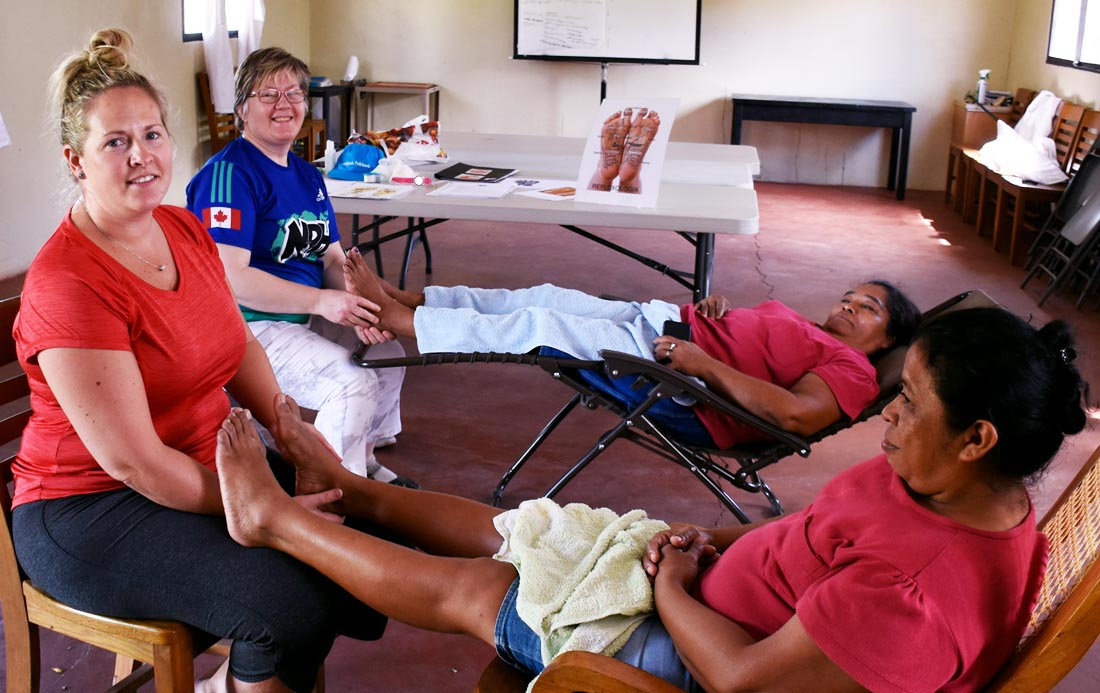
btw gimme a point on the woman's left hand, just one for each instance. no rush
(681, 565)
(685, 357)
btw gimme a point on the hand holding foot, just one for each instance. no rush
(642, 131)
(392, 315)
(251, 496)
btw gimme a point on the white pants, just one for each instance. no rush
(462, 319)
(355, 406)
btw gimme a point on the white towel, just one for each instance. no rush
(582, 585)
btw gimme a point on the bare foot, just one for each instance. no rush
(393, 315)
(612, 134)
(251, 496)
(316, 465)
(642, 131)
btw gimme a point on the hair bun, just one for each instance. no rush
(110, 48)
(1058, 337)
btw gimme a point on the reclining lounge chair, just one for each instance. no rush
(641, 417)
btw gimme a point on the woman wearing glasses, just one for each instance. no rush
(275, 230)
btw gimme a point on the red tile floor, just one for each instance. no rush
(464, 424)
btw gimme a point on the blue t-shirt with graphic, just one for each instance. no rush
(280, 214)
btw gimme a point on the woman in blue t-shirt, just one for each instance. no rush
(275, 229)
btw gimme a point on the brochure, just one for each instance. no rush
(474, 174)
(546, 189)
(625, 152)
(366, 191)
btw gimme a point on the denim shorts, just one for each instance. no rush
(650, 647)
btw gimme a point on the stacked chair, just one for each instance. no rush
(1066, 248)
(1009, 207)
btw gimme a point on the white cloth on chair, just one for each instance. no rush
(1027, 151)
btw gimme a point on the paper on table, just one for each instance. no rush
(366, 191)
(489, 190)
(547, 189)
(5, 139)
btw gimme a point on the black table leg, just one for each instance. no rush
(903, 158)
(892, 175)
(704, 265)
(735, 130)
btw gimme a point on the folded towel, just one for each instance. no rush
(582, 585)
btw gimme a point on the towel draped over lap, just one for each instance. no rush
(582, 585)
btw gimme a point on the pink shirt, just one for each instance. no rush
(899, 597)
(775, 344)
(188, 344)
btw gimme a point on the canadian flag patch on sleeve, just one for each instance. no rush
(221, 218)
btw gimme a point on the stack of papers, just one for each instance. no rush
(475, 189)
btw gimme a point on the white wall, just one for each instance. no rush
(34, 37)
(927, 53)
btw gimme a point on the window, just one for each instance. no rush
(1075, 34)
(194, 17)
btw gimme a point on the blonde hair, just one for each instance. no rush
(258, 66)
(83, 76)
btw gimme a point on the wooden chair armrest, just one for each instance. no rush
(585, 671)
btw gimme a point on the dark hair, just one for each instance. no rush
(902, 315)
(986, 363)
(258, 66)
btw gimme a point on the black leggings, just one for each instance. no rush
(119, 554)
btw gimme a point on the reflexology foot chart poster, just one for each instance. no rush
(625, 152)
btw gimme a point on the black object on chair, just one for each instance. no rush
(640, 424)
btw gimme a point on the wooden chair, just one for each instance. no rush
(1064, 623)
(158, 650)
(223, 127)
(961, 157)
(1022, 206)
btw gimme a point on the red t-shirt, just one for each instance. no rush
(900, 598)
(188, 343)
(775, 344)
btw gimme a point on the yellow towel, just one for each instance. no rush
(582, 586)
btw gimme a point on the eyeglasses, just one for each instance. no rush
(272, 95)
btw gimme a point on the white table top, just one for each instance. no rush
(682, 204)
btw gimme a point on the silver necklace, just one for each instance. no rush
(159, 268)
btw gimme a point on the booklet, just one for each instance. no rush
(474, 174)
(547, 189)
(366, 191)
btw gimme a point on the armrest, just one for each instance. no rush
(585, 671)
(620, 364)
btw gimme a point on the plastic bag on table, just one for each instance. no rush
(416, 140)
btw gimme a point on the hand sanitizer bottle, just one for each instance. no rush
(983, 81)
(330, 155)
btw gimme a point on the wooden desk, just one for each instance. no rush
(429, 94)
(896, 115)
(705, 189)
(337, 131)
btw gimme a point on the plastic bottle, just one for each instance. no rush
(330, 155)
(983, 82)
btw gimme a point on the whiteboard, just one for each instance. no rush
(621, 31)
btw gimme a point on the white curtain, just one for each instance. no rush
(219, 56)
(252, 28)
